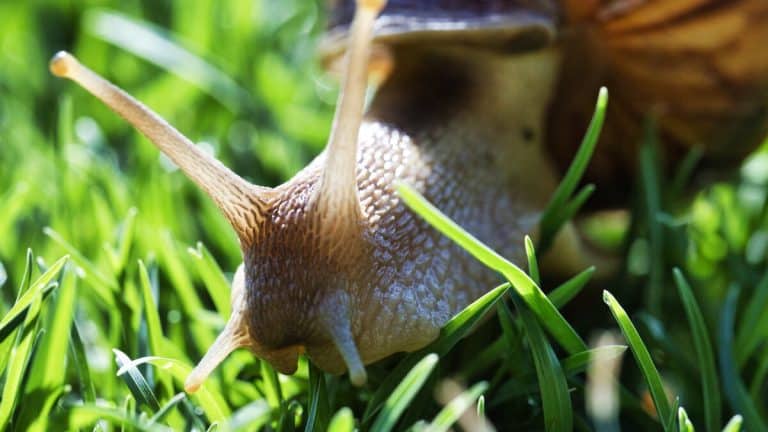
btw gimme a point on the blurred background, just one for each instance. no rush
(241, 78)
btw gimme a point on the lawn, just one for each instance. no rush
(115, 269)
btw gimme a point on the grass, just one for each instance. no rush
(114, 269)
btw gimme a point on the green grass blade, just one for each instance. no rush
(154, 328)
(15, 373)
(14, 320)
(548, 224)
(47, 376)
(146, 41)
(568, 211)
(533, 265)
(127, 231)
(564, 293)
(271, 385)
(456, 329)
(318, 400)
(181, 280)
(642, 356)
(136, 381)
(481, 406)
(734, 425)
(553, 387)
(158, 344)
(683, 422)
(26, 279)
(403, 394)
(36, 290)
(754, 323)
(759, 377)
(733, 387)
(77, 353)
(250, 417)
(209, 395)
(101, 282)
(83, 416)
(672, 421)
(216, 284)
(579, 362)
(167, 407)
(342, 421)
(547, 313)
(704, 354)
(652, 198)
(451, 413)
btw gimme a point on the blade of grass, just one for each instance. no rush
(734, 425)
(47, 376)
(158, 344)
(759, 377)
(533, 265)
(568, 211)
(733, 387)
(77, 352)
(403, 394)
(671, 423)
(548, 315)
(754, 323)
(41, 286)
(642, 356)
(209, 395)
(26, 279)
(271, 385)
(85, 415)
(456, 329)
(154, 328)
(127, 231)
(563, 294)
(549, 224)
(481, 406)
(704, 353)
(555, 398)
(165, 409)
(20, 356)
(578, 362)
(148, 42)
(317, 417)
(652, 197)
(250, 417)
(683, 422)
(14, 322)
(217, 286)
(102, 280)
(18, 362)
(451, 413)
(136, 381)
(342, 421)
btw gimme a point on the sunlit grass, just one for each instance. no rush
(127, 281)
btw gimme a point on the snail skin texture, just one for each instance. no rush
(334, 265)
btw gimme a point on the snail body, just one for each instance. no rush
(401, 279)
(334, 265)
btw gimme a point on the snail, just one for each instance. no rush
(469, 102)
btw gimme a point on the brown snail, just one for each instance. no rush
(334, 264)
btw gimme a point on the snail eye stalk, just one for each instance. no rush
(241, 202)
(337, 194)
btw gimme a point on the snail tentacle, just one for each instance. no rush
(241, 202)
(234, 336)
(337, 194)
